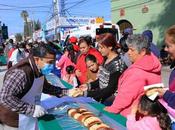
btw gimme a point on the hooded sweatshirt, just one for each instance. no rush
(146, 123)
(145, 71)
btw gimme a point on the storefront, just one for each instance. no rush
(64, 24)
(156, 15)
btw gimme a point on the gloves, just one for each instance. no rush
(39, 111)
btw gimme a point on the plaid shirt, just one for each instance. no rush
(14, 84)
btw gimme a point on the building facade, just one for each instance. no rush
(156, 15)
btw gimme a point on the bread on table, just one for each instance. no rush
(91, 120)
(75, 92)
(87, 118)
(81, 110)
(71, 112)
(84, 116)
(76, 115)
(100, 126)
(86, 112)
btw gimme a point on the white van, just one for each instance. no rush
(95, 29)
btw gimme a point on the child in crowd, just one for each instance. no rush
(148, 115)
(18, 54)
(66, 59)
(93, 67)
(70, 76)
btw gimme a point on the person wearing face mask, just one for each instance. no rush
(18, 54)
(22, 87)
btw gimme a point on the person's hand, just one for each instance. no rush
(83, 87)
(105, 109)
(134, 109)
(161, 91)
(78, 73)
(90, 80)
(39, 111)
(75, 92)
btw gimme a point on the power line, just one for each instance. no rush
(85, 13)
(91, 15)
(14, 6)
(126, 4)
(82, 1)
(133, 5)
(41, 11)
(71, 2)
(91, 4)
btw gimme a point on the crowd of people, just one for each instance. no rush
(112, 73)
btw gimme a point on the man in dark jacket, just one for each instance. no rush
(19, 81)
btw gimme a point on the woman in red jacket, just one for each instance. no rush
(85, 49)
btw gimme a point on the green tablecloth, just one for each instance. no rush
(3, 60)
(69, 86)
(50, 122)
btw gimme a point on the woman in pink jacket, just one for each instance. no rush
(145, 70)
(66, 59)
(149, 115)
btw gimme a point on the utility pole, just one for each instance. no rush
(62, 10)
(58, 11)
(56, 20)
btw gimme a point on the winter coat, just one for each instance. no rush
(145, 71)
(63, 63)
(146, 123)
(81, 64)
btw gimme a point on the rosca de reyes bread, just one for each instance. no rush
(87, 118)
(75, 92)
(71, 112)
(100, 126)
(91, 120)
(83, 117)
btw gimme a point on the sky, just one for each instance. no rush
(42, 9)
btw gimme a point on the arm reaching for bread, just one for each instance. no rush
(155, 88)
(75, 92)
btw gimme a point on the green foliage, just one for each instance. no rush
(24, 15)
(18, 37)
(37, 25)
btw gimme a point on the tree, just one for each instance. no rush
(37, 25)
(25, 15)
(18, 37)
